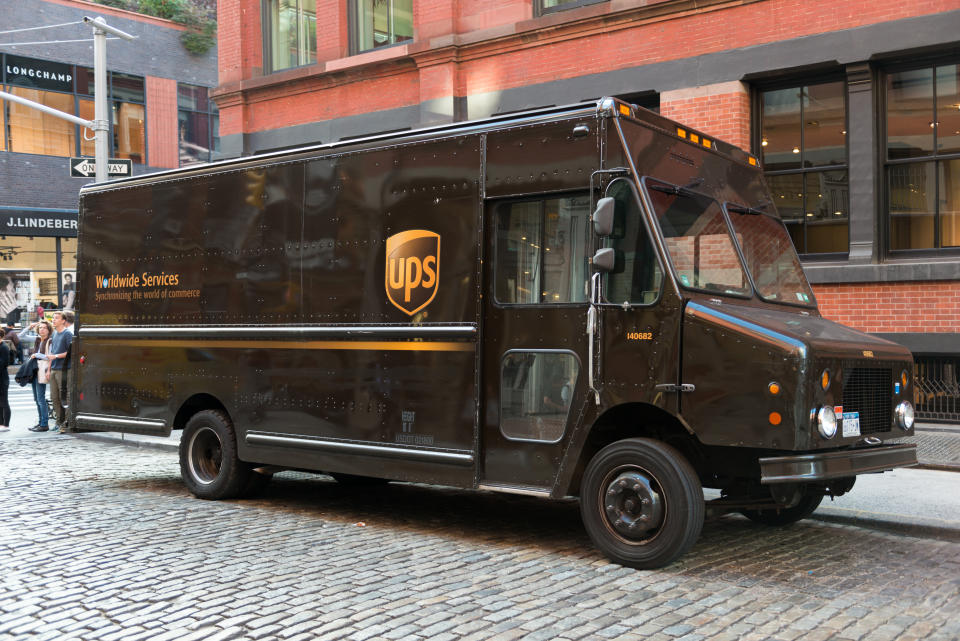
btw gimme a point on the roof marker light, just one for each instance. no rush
(681, 132)
(625, 110)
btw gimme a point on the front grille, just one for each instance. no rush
(869, 391)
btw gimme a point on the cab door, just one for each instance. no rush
(535, 345)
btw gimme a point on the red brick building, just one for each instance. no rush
(853, 107)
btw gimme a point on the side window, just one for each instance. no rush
(641, 278)
(541, 251)
(536, 391)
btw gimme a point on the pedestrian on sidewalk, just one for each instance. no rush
(59, 357)
(4, 384)
(41, 352)
(14, 338)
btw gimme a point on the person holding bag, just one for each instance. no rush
(42, 355)
(5, 360)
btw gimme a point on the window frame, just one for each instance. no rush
(547, 351)
(541, 197)
(800, 82)
(77, 97)
(267, 35)
(353, 25)
(540, 10)
(884, 163)
(211, 113)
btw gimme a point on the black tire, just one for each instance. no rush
(641, 503)
(208, 457)
(359, 481)
(809, 502)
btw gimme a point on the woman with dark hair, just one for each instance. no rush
(41, 353)
(4, 384)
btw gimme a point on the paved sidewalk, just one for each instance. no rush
(938, 444)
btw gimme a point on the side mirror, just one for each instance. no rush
(603, 216)
(605, 260)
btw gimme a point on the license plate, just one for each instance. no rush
(851, 424)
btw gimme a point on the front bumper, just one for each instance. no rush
(834, 465)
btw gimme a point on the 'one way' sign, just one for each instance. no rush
(86, 167)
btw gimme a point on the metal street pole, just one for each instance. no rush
(101, 126)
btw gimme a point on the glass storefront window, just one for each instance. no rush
(129, 133)
(923, 170)
(69, 88)
(802, 132)
(29, 277)
(198, 125)
(290, 36)
(910, 113)
(33, 132)
(379, 23)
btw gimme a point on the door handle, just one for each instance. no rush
(670, 387)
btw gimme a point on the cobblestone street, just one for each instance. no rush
(104, 542)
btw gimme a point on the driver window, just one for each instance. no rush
(641, 278)
(541, 252)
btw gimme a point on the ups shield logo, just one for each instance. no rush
(413, 269)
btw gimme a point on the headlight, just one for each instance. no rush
(905, 415)
(827, 422)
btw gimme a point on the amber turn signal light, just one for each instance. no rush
(773, 388)
(825, 379)
(775, 418)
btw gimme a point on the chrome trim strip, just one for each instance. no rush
(285, 331)
(154, 425)
(362, 449)
(507, 489)
(757, 331)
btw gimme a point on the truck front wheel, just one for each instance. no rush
(208, 457)
(641, 503)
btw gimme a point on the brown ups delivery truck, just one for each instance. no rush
(588, 301)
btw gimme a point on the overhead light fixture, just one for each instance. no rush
(764, 143)
(796, 150)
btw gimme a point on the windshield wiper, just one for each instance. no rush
(750, 211)
(686, 190)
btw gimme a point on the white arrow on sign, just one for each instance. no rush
(85, 167)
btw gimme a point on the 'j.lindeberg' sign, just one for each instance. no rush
(38, 223)
(41, 74)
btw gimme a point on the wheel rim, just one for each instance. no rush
(206, 456)
(633, 506)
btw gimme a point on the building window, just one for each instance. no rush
(923, 157)
(199, 125)
(803, 146)
(381, 23)
(69, 89)
(551, 6)
(129, 133)
(31, 131)
(290, 33)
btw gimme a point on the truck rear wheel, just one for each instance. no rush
(208, 457)
(641, 503)
(809, 502)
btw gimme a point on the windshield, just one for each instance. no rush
(698, 240)
(770, 256)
